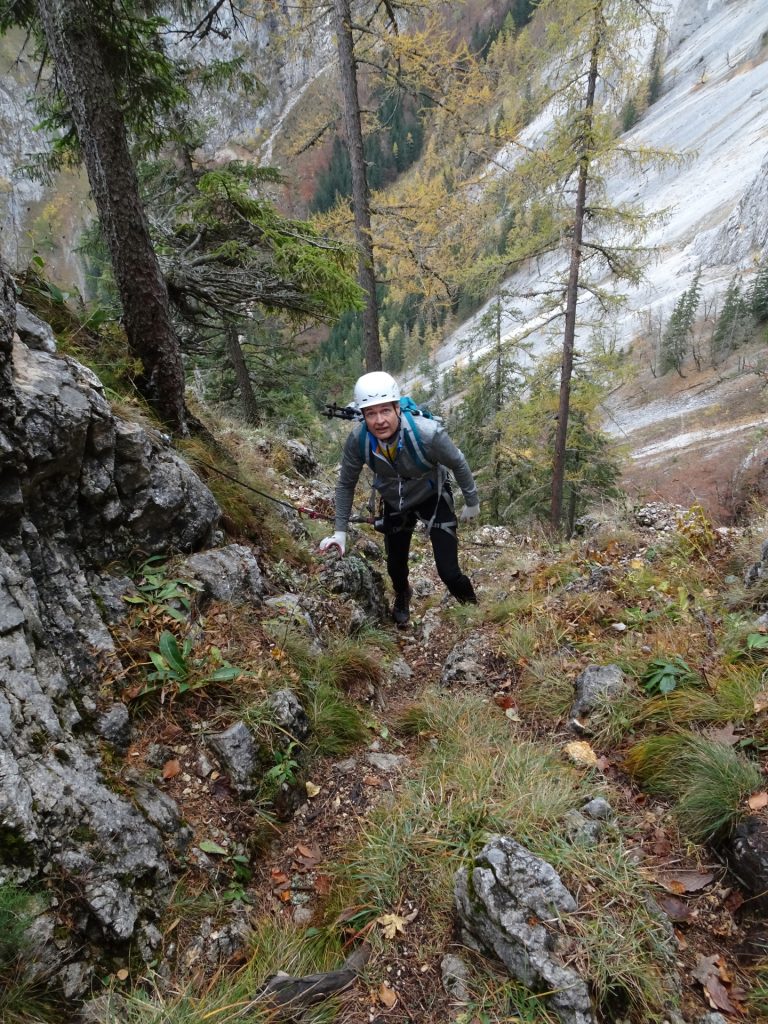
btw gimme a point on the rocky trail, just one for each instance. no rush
(414, 964)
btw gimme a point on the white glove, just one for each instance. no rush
(338, 540)
(469, 512)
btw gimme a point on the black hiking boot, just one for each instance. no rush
(401, 609)
(464, 592)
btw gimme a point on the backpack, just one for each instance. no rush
(411, 438)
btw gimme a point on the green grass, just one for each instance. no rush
(337, 725)
(480, 778)
(23, 999)
(623, 947)
(707, 781)
(731, 699)
(275, 945)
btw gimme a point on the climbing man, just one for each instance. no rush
(410, 463)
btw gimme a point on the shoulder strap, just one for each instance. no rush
(413, 442)
(366, 448)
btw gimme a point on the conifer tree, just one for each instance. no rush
(758, 296)
(679, 330)
(734, 325)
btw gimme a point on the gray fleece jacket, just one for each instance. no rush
(404, 483)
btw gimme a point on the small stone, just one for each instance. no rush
(302, 915)
(598, 808)
(386, 762)
(455, 977)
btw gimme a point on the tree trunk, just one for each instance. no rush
(243, 377)
(361, 201)
(572, 288)
(74, 44)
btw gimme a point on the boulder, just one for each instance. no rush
(510, 905)
(229, 574)
(79, 488)
(302, 458)
(353, 577)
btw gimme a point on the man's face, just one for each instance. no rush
(382, 420)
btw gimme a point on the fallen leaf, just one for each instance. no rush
(758, 800)
(171, 769)
(675, 909)
(686, 881)
(760, 702)
(312, 789)
(726, 735)
(371, 780)
(122, 974)
(391, 924)
(307, 857)
(285, 895)
(710, 973)
(504, 700)
(581, 753)
(322, 884)
(387, 995)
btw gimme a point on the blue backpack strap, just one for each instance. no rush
(366, 447)
(413, 443)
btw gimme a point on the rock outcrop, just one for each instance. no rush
(510, 905)
(78, 488)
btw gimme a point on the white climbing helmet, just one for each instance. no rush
(376, 388)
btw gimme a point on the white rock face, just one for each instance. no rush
(713, 109)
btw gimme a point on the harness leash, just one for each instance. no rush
(310, 513)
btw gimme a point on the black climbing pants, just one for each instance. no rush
(398, 530)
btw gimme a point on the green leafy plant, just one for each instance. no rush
(663, 675)
(284, 768)
(177, 670)
(160, 594)
(240, 865)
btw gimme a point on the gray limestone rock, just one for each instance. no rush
(288, 713)
(78, 489)
(598, 808)
(463, 666)
(114, 726)
(385, 762)
(34, 332)
(582, 830)
(353, 577)
(455, 975)
(230, 574)
(302, 457)
(239, 755)
(595, 684)
(510, 905)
